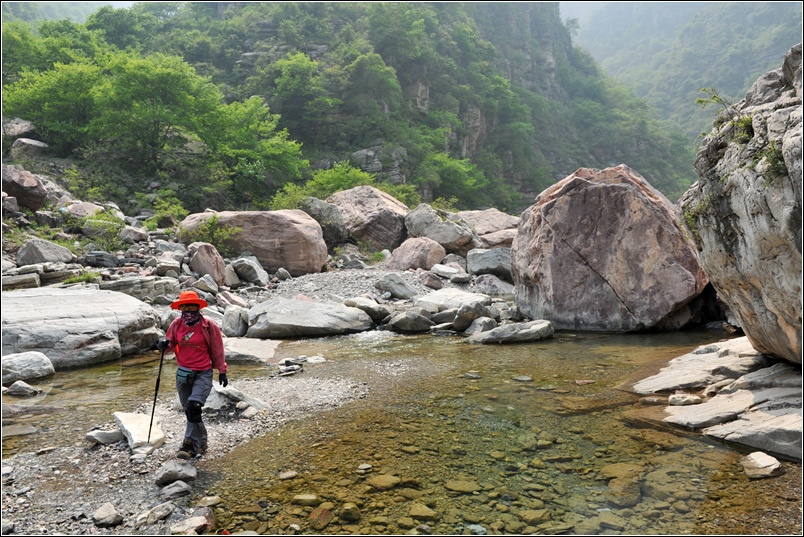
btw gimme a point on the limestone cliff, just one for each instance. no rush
(745, 210)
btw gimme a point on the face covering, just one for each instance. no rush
(190, 317)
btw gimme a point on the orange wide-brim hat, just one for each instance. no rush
(189, 297)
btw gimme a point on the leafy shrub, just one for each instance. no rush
(742, 124)
(212, 231)
(407, 193)
(324, 183)
(291, 196)
(14, 238)
(744, 128)
(776, 166)
(447, 205)
(85, 276)
(368, 251)
(103, 229)
(693, 214)
(169, 211)
(377, 257)
(342, 176)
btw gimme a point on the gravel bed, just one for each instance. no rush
(57, 491)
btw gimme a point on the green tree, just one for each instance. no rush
(122, 28)
(66, 41)
(260, 158)
(324, 183)
(372, 86)
(297, 93)
(40, 49)
(59, 102)
(398, 31)
(448, 178)
(21, 49)
(342, 176)
(148, 104)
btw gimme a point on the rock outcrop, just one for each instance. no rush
(494, 228)
(447, 229)
(740, 397)
(29, 192)
(604, 250)
(745, 210)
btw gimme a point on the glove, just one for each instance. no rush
(223, 380)
(162, 345)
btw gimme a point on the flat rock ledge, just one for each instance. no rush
(736, 395)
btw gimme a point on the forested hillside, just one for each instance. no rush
(254, 105)
(668, 51)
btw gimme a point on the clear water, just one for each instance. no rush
(534, 428)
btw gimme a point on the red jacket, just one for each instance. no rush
(212, 335)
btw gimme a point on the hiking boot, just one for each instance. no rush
(186, 451)
(202, 449)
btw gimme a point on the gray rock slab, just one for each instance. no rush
(25, 366)
(394, 284)
(448, 298)
(21, 388)
(243, 349)
(105, 437)
(136, 429)
(284, 318)
(173, 471)
(173, 491)
(727, 407)
(235, 395)
(747, 400)
(77, 327)
(705, 365)
(775, 430)
(515, 333)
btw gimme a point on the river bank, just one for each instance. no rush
(57, 490)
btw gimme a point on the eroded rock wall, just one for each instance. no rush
(745, 210)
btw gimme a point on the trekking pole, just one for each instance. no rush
(153, 408)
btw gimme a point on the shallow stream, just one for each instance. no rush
(462, 439)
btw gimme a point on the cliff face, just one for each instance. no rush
(745, 210)
(530, 44)
(528, 38)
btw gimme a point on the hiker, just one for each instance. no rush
(198, 345)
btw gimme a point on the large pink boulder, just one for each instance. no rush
(604, 250)
(289, 239)
(417, 253)
(23, 185)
